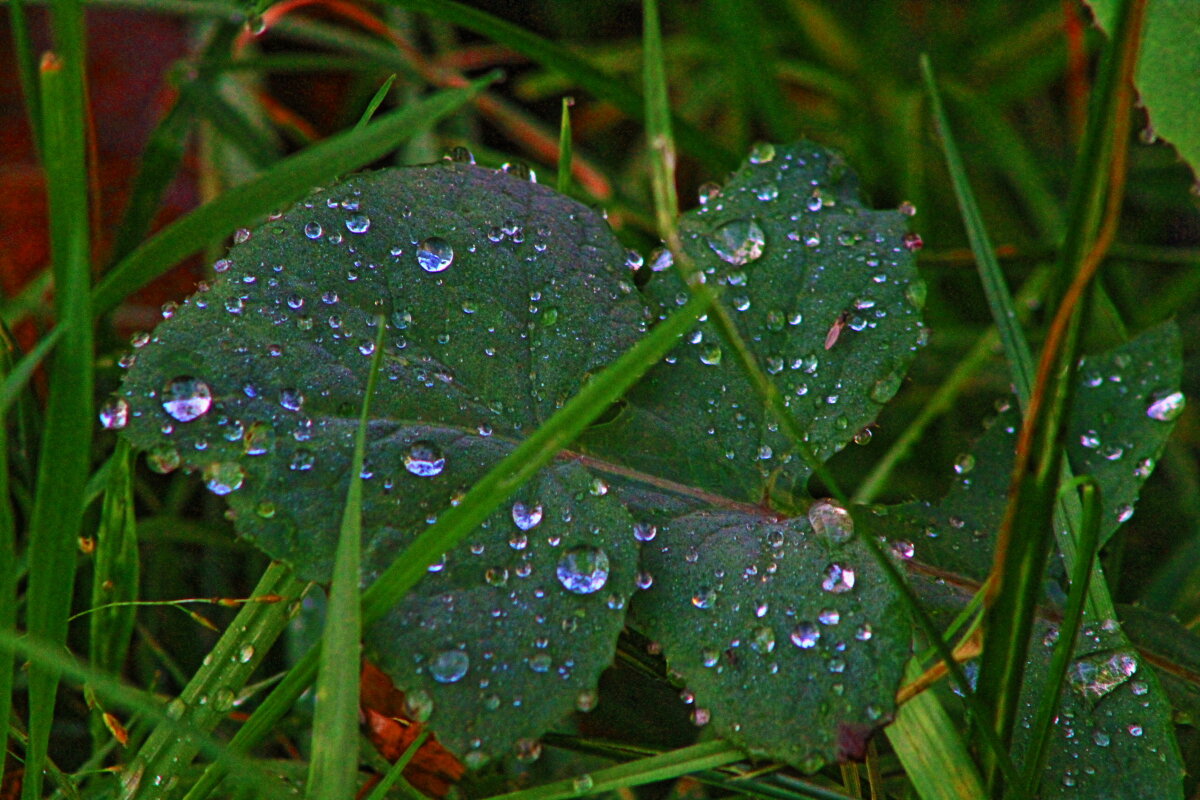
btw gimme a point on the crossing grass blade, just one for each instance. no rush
(284, 182)
(334, 762)
(65, 450)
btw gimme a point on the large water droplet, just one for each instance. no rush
(1095, 675)
(424, 459)
(738, 241)
(449, 666)
(526, 517)
(434, 254)
(186, 398)
(1167, 407)
(705, 597)
(358, 223)
(762, 153)
(583, 570)
(831, 520)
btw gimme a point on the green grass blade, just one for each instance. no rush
(1000, 302)
(8, 572)
(17, 378)
(563, 179)
(658, 124)
(376, 101)
(1064, 648)
(752, 60)
(458, 521)
(230, 123)
(115, 574)
(334, 763)
(928, 744)
(27, 69)
(282, 183)
(560, 59)
(396, 771)
(668, 765)
(65, 447)
(212, 691)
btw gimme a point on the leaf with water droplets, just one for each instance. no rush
(793, 262)
(256, 383)
(788, 635)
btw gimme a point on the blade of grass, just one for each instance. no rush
(563, 181)
(8, 570)
(18, 377)
(27, 70)
(210, 695)
(558, 58)
(1068, 630)
(114, 574)
(668, 765)
(395, 773)
(457, 521)
(282, 183)
(376, 102)
(66, 438)
(752, 60)
(334, 763)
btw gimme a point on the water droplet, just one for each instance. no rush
(886, 387)
(223, 477)
(829, 616)
(644, 531)
(583, 570)
(1124, 513)
(738, 241)
(864, 632)
(903, 549)
(302, 460)
(424, 459)
(114, 414)
(1167, 407)
(831, 520)
(313, 230)
(762, 153)
(711, 356)
(246, 653)
(540, 662)
(583, 783)
(586, 700)
(763, 639)
(913, 241)
(838, 578)
(805, 635)
(358, 223)
(1094, 676)
(434, 254)
(526, 517)
(701, 717)
(163, 459)
(705, 597)
(460, 155)
(528, 750)
(597, 488)
(186, 398)
(964, 463)
(449, 666)
(916, 293)
(291, 399)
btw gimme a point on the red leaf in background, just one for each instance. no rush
(433, 769)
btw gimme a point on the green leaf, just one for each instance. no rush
(825, 293)
(791, 640)
(500, 298)
(1168, 71)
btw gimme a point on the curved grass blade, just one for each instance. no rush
(282, 183)
(334, 762)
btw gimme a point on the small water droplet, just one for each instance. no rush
(644, 531)
(583, 783)
(460, 155)
(1167, 407)
(114, 414)
(762, 153)
(313, 230)
(738, 241)
(964, 463)
(358, 223)
(246, 653)
(762, 640)
(223, 477)
(838, 578)
(424, 459)
(1124, 513)
(449, 666)
(805, 635)
(704, 598)
(291, 399)
(583, 570)
(186, 398)
(434, 254)
(829, 616)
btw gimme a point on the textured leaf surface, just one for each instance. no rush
(799, 255)
(790, 641)
(499, 298)
(1168, 71)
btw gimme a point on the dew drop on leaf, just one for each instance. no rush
(186, 398)
(805, 635)
(526, 517)
(831, 521)
(838, 578)
(114, 414)
(358, 223)
(1167, 407)
(1095, 675)
(434, 254)
(424, 460)
(449, 666)
(762, 153)
(583, 570)
(223, 477)
(738, 241)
